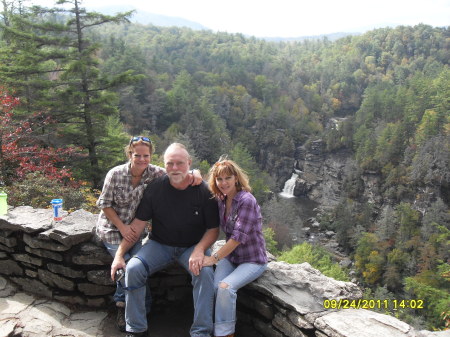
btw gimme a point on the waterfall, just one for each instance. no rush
(289, 185)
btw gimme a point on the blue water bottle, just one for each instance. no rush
(57, 209)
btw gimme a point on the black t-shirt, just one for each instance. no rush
(179, 218)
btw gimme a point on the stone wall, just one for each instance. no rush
(63, 261)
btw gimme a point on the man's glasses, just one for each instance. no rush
(137, 138)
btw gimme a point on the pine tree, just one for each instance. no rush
(81, 96)
(28, 60)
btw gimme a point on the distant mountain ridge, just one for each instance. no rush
(146, 18)
(331, 37)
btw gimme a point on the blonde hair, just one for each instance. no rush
(228, 167)
(129, 148)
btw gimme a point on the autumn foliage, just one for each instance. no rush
(21, 152)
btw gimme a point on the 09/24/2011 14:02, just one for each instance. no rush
(373, 304)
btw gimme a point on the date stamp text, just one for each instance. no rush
(373, 304)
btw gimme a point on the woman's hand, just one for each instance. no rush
(208, 261)
(129, 233)
(196, 177)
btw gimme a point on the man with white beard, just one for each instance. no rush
(185, 222)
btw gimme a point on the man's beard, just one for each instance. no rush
(176, 178)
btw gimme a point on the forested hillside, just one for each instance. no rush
(73, 91)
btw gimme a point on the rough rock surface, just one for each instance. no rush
(22, 314)
(302, 287)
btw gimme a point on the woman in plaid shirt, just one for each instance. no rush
(243, 257)
(122, 191)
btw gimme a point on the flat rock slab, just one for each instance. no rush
(75, 228)
(26, 315)
(303, 288)
(27, 219)
(362, 323)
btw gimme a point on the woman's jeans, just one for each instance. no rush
(152, 257)
(119, 295)
(235, 277)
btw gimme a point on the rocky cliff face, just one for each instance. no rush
(320, 174)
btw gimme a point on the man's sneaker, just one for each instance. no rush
(137, 334)
(120, 319)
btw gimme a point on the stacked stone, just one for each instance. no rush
(56, 260)
(64, 261)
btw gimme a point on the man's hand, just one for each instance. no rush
(118, 263)
(196, 261)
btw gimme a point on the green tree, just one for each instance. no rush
(87, 96)
(437, 214)
(182, 100)
(259, 180)
(409, 221)
(206, 130)
(431, 125)
(264, 89)
(81, 99)
(365, 146)
(434, 294)
(283, 219)
(387, 225)
(390, 145)
(111, 144)
(271, 244)
(431, 162)
(369, 260)
(396, 264)
(29, 62)
(344, 223)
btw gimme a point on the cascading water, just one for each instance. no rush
(289, 185)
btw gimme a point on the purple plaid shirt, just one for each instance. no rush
(118, 193)
(244, 224)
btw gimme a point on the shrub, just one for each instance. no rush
(37, 190)
(317, 257)
(271, 244)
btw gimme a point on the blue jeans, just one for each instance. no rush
(235, 277)
(158, 256)
(119, 295)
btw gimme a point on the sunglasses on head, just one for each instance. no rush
(137, 138)
(223, 162)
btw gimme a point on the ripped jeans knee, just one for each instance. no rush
(225, 311)
(224, 285)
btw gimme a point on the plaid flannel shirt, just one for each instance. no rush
(244, 224)
(118, 193)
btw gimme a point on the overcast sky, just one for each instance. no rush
(291, 18)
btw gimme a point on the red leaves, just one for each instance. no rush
(7, 102)
(23, 152)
